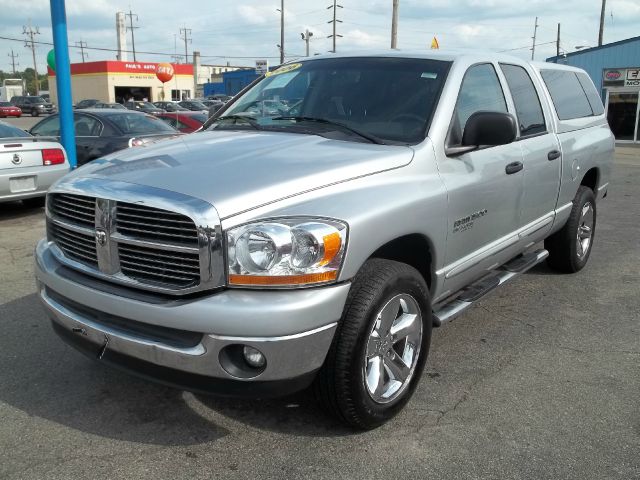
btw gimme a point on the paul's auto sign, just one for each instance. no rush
(621, 77)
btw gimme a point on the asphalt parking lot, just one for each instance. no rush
(541, 380)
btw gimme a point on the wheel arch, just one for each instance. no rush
(414, 249)
(591, 179)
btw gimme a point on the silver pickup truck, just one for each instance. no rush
(324, 221)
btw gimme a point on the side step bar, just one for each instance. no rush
(472, 293)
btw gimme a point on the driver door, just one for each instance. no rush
(484, 196)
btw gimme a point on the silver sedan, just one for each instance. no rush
(28, 165)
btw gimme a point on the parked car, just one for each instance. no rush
(145, 107)
(212, 106)
(9, 110)
(33, 105)
(194, 106)
(28, 166)
(113, 106)
(220, 96)
(87, 103)
(322, 244)
(170, 107)
(185, 122)
(103, 131)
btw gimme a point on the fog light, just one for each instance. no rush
(253, 357)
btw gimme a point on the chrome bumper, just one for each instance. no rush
(293, 329)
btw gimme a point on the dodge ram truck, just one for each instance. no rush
(324, 221)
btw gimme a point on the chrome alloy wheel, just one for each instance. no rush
(393, 348)
(585, 230)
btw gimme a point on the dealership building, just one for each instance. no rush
(118, 81)
(615, 70)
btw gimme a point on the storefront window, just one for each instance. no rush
(622, 114)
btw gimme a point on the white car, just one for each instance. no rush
(28, 166)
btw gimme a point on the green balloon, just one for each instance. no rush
(51, 60)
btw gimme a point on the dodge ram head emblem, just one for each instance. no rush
(17, 159)
(101, 237)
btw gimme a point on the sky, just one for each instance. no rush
(241, 31)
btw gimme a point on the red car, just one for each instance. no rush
(185, 122)
(8, 110)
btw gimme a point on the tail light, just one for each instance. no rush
(52, 156)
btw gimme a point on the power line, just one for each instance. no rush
(30, 32)
(132, 28)
(13, 60)
(184, 35)
(335, 21)
(82, 45)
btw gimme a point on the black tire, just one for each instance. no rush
(563, 246)
(36, 202)
(34, 113)
(340, 384)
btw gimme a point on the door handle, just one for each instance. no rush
(513, 167)
(553, 154)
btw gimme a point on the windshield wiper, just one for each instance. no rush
(360, 133)
(249, 120)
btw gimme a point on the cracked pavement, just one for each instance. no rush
(539, 380)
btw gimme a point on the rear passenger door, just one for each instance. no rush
(540, 151)
(484, 200)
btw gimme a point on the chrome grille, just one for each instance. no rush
(181, 269)
(149, 223)
(139, 241)
(76, 209)
(80, 247)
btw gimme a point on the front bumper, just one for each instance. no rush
(152, 336)
(44, 177)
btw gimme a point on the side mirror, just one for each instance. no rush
(487, 129)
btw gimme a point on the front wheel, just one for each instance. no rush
(570, 247)
(34, 113)
(381, 345)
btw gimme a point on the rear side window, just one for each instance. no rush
(525, 98)
(592, 94)
(480, 91)
(567, 94)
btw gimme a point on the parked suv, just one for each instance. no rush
(319, 240)
(33, 105)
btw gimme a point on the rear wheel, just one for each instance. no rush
(570, 247)
(381, 346)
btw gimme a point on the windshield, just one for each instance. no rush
(391, 99)
(138, 124)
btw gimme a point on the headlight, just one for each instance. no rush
(286, 252)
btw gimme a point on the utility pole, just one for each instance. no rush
(176, 58)
(132, 28)
(601, 32)
(281, 32)
(184, 35)
(535, 34)
(335, 21)
(13, 60)
(306, 36)
(82, 45)
(394, 25)
(558, 45)
(30, 32)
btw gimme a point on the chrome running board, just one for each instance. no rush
(447, 311)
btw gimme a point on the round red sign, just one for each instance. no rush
(613, 75)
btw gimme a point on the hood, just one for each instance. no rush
(237, 171)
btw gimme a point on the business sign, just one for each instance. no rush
(633, 77)
(262, 67)
(621, 77)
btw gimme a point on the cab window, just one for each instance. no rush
(480, 91)
(528, 108)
